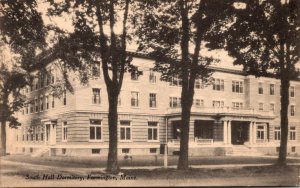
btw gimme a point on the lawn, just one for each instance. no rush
(92, 162)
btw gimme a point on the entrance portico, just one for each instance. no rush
(50, 131)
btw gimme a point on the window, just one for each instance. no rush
(95, 129)
(31, 105)
(272, 89)
(217, 104)
(64, 131)
(36, 105)
(152, 100)
(152, 130)
(153, 150)
(96, 151)
(53, 102)
(134, 99)
(96, 96)
(292, 133)
(48, 79)
(198, 84)
(125, 130)
(261, 106)
(125, 150)
(175, 102)
(237, 105)
(47, 102)
(292, 110)
(277, 133)
(198, 103)
(41, 104)
(36, 84)
(218, 84)
(237, 87)
(175, 81)
(134, 75)
(63, 151)
(96, 69)
(152, 77)
(260, 132)
(292, 91)
(293, 149)
(42, 79)
(65, 98)
(52, 76)
(272, 107)
(260, 88)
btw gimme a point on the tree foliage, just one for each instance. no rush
(264, 37)
(173, 32)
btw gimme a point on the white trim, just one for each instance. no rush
(96, 125)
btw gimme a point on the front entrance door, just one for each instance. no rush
(239, 132)
(50, 134)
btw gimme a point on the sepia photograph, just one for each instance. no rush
(149, 93)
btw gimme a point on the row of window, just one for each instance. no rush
(42, 103)
(292, 133)
(95, 130)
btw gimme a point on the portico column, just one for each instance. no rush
(250, 132)
(229, 132)
(225, 133)
(254, 132)
(45, 133)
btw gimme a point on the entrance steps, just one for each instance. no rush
(242, 150)
(41, 152)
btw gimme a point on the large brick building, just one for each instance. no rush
(236, 113)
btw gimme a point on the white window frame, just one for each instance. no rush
(292, 133)
(218, 104)
(153, 127)
(95, 126)
(272, 89)
(94, 97)
(292, 91)
(175, 81)
(218, 84)
(151, 104)
(134, 102)
(260, 88)
(237, 86)
(237, 105)
(260, 132)
(64, 129)
(125, 127)
(47, 102)
(292, 110)
(41, 104)
(152, 76)
(172, 103)
(277, 133)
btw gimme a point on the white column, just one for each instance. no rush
(45, 133)
(250, 132)
(254, 132)
(229, 132)
(225, 133)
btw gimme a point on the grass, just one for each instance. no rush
(92, 162)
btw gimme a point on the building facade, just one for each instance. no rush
(235, 114)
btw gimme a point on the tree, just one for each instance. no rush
(169, 31)
(11, 100)
(95, 38)
(264, 37)
(22, 30)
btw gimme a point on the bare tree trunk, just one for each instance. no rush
(285, 84)
(3, 138)
(183, 163)
(112, 161)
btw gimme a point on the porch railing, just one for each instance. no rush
(223, 110)
(203, 141)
